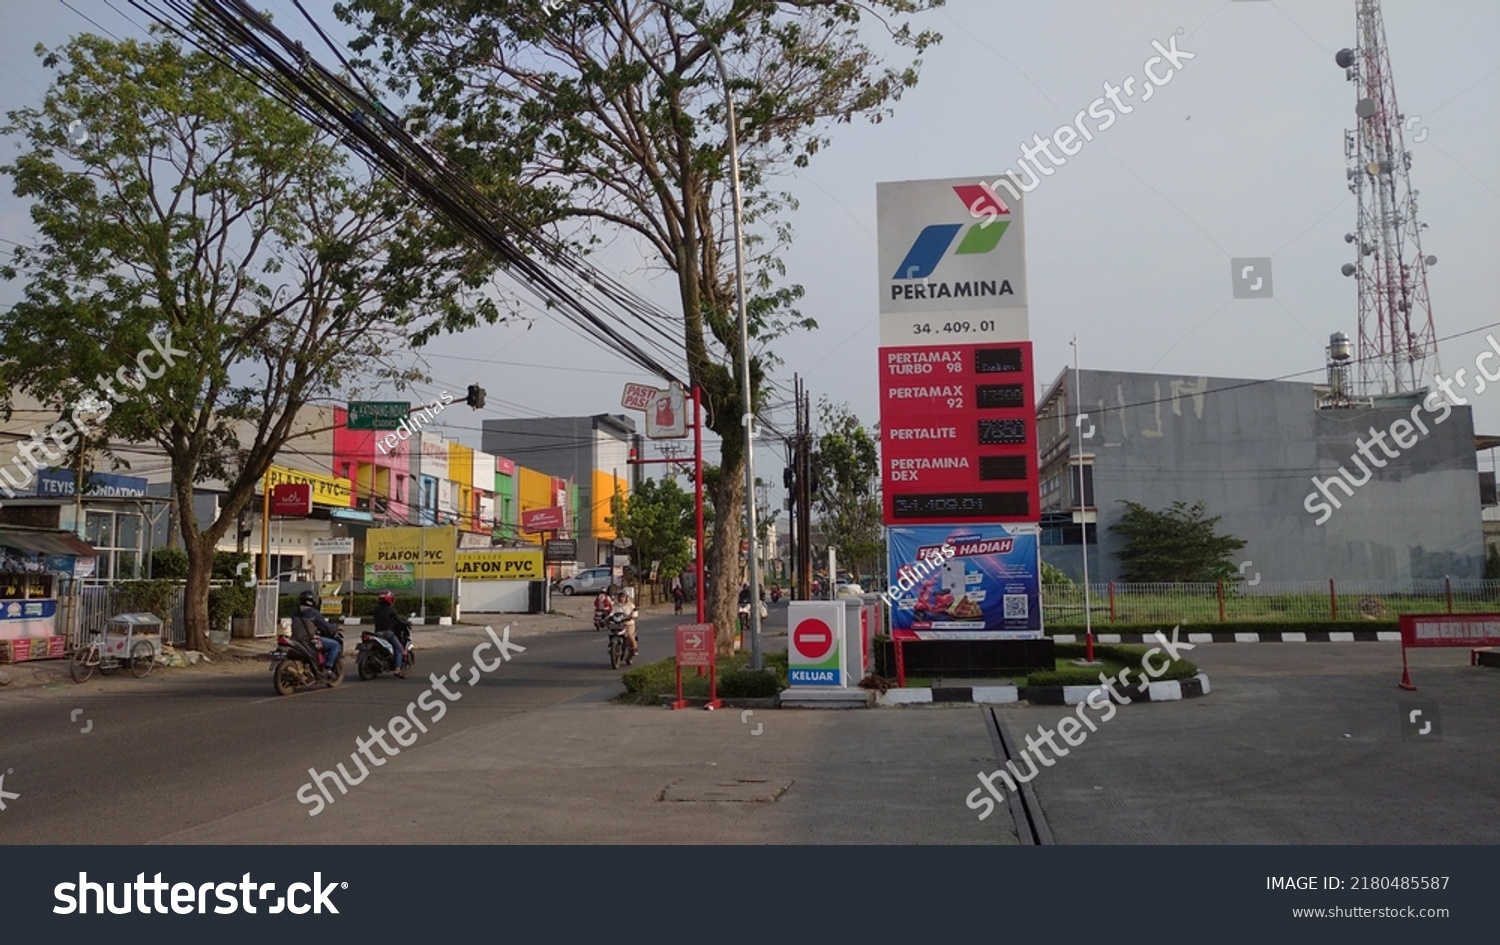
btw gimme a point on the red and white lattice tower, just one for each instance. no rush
(1397, 347)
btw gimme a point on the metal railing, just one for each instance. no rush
(1286, 602)
(89, 608)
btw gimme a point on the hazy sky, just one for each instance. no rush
(1128, 244)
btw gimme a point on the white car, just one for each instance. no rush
(591, 582)
(848, 590)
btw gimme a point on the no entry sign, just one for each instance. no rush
(815, 651)
(813, 639)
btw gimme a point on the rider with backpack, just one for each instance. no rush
(395, 630)
(310, 626)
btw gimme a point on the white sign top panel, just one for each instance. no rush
(950, 250)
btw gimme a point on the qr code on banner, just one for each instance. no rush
(1017, 605)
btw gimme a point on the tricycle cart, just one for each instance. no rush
(132, 640)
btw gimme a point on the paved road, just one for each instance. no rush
(531, 753)
(174, 750)
(1296, 744)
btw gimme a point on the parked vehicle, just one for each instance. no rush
(375, 655)
(591, 581)
(295, 665)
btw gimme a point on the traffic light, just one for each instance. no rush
(788, 477)
(476, 396)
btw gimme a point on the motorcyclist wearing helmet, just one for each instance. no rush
(394, 630)
(309, 624)
(624, 612)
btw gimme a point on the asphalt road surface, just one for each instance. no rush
(173, 750)
(1297, 743)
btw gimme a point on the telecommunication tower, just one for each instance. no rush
(1397, 347)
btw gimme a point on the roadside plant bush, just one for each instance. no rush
(147, 597)
(169, 564)
(1053, 575)
(750, 684)
(364, 605)
(659, 675)
(226, 603)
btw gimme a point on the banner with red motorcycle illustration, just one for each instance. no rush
(965, 578)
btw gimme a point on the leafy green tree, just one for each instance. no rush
(1054, 576)
(1176, 545)
(846, 469)
(179, 209)
(611, 114)
(657, 517)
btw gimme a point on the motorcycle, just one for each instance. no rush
(775, 595)
(619, 643)
(295, 664)
(375, 655)
(601, 619)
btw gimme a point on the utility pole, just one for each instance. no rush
(804, 497)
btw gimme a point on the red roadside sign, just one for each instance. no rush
(638, 396)
(695, 644)
(542, 520)
(291, 498)
(813, 639)
(695, 647)
(1424, 630)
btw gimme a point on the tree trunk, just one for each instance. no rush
(724, 551)
(200, 552)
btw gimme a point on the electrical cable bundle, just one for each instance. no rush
(244, 40)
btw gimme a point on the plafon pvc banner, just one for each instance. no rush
(965, 578)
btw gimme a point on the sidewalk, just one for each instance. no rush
(589, 772)
(569, 613)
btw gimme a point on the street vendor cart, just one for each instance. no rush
(132, 640)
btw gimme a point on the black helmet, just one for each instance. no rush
(307, 599)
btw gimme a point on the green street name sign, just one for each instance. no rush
(377, 414)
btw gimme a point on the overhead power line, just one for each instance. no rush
(236, 34)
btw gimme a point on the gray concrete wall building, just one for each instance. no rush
(1266, 458)
(574, 448)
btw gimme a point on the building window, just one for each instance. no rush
(117, 538)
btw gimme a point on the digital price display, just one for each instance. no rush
(958, 433)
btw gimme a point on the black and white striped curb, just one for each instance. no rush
(1242, 636)
(1169, 690)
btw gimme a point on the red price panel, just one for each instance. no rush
(958, 434)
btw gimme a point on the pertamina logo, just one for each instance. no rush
(933, 242)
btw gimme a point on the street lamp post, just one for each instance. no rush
(739, 278)
(1083, 513)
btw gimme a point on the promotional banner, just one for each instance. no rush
(501, 565)
(390, 576)
(965, 578)
(431, 549)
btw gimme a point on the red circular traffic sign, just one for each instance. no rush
(813, 638)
